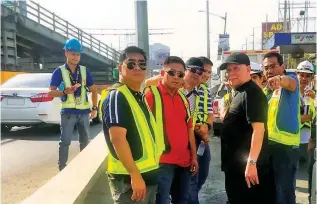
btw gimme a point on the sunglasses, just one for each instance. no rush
(131, 65)
(195, 71)
(172, 73)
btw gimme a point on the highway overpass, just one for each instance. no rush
(32, 39)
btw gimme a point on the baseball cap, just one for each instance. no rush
(195, 62)
(236, 58)
(255, 68)
(305, 67)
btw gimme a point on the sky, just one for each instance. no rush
(188, 36)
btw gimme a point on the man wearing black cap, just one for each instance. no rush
(244, 137)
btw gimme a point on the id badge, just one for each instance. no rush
(78, 100)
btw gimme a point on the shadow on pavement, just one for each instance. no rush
(46, 133)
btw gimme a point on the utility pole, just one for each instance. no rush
(225, 29)
(208, 32)
(142, 29)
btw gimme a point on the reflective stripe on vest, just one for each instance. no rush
(203, 117)
(274, 133)
(196, 110)
(311, 111)
(150, 149)
(81, 103)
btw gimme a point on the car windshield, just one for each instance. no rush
(28, 81)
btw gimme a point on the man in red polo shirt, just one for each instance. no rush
(172, 112)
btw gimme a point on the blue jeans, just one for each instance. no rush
(284, 163)
(173, 180)
(68, 123)
(197, 181)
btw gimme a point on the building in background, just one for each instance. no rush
(158, 54)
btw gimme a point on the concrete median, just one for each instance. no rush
(82, 181)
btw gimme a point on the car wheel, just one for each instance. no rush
(5, 128)
(96, 120)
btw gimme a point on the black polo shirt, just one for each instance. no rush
(116, 111)
(248, 105)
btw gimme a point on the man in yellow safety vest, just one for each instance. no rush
(134, 142)
(283, 96)
(70, 81)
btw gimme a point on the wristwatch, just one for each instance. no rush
(94, 108)
(251, 161)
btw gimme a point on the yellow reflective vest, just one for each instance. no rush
(274, 133)
(152, 146)
(203, 117)
(196, 109)
(311, 111)
(80, 102)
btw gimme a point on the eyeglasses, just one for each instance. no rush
(195, 71)
(271, 66)
(131, 65)
(172, 73)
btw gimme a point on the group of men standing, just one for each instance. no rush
(158, 138)
(153, 137)
(263, 126)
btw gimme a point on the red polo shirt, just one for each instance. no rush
(176, 127)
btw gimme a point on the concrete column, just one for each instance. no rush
(142, 29)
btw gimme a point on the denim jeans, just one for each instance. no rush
(173, 180)
(284, 163)
(68, 123)
(197, 181)
(122, 192)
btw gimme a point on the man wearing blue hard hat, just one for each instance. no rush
(70, 82)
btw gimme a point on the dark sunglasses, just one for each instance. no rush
(172, 73)
(195, 71)
(131, 65)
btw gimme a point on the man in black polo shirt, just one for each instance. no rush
(130, 134)
(244, 138)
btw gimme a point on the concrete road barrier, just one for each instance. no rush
(82, 181)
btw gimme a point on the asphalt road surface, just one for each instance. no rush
(29, 159)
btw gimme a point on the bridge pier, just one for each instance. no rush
(8, 46)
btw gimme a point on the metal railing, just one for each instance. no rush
(49, 19)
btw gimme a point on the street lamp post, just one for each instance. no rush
(208, 32)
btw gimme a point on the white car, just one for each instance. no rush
(24, 102)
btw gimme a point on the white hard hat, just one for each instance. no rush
(255, 68)
(305, 67)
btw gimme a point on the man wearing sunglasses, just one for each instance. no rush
(203, 125)
(172, 114)
(133, 140)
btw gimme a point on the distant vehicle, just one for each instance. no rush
(24, 102)
(217, 106)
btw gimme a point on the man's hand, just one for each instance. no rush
(201, 129)
(69, 90)
(93, 114)
(194, 167)
(138, 187)
(251, 175)
(310, 93)
(275, 82)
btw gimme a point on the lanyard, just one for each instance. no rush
(71, 77)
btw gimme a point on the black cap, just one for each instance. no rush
(194, 62)
(236, 58)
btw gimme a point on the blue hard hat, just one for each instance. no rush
(73, 45)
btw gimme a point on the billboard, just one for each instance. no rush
(268, 30)
(223, 43)
(303, 38)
